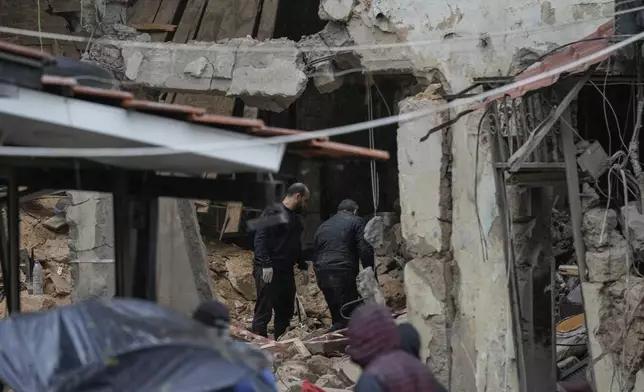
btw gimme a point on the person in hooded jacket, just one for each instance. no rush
(409, 339)
(215, 314)
(375, 345)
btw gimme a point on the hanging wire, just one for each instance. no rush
(375, 180)
(311, 135)
(463, 37)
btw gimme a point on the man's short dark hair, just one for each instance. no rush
(347, 205)
(297, 189)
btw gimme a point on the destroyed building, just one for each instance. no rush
(476, 201)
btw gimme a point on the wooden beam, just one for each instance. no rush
(517, 159)
(153, 27)
(574, 198)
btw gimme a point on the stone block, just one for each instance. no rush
(609, 263)
(336, 10)
(368, 286)
(597, 226)
(241, 278)
(635, 225)
(425, 290)
(92, 279)
(325, 78)
(605, 374)
(271, 79)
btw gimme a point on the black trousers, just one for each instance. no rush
(277, 296)
(339, 289)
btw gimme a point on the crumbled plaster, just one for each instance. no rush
(424, 178)
(613, 299)
(336, 10)
(548, 15)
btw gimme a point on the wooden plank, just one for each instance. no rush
(233, 214)
(146, 27)
(221, 19)
(166, 14)
(189, 23)
(144, 11)
(574, 198)
(267, 20)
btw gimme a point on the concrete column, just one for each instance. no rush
(183, 275)
(425, 201)
(456, 286)
(425, 198)
(91, 239)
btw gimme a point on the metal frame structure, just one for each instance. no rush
(135, 203)
(532, 141)
(38, 108)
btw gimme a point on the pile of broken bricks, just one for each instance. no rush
(327, 344)
(317, 358)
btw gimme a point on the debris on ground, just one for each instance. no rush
(305, 352)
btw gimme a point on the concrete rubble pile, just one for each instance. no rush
(614, 294)
(305, 352)
(44, 234)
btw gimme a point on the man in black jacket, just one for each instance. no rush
(277, 249)
(339, 245)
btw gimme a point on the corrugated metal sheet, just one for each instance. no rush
(588, 45)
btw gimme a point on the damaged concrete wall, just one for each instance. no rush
(457, 293)
(460, 40)
(183, 274)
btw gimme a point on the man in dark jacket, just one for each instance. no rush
(277, 249)
(339, 245)
(374, 344)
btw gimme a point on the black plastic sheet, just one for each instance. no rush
(120, 345)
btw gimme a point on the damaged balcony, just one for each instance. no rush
(568, 177)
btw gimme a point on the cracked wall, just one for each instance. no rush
(442, 36)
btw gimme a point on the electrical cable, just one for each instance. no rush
(311, 135)
(461, 36)
(375, 180)
(476, 183)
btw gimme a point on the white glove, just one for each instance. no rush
(305, 277)
(267, 275)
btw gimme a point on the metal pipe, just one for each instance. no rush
(13, 232)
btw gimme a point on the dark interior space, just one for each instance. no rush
(610, 121)
(296, 18)
(350, 178)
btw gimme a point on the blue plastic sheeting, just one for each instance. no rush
(121, 345)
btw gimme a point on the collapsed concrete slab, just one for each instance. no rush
(268, 75)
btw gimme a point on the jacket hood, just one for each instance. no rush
(409, 339)
(371, 333)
